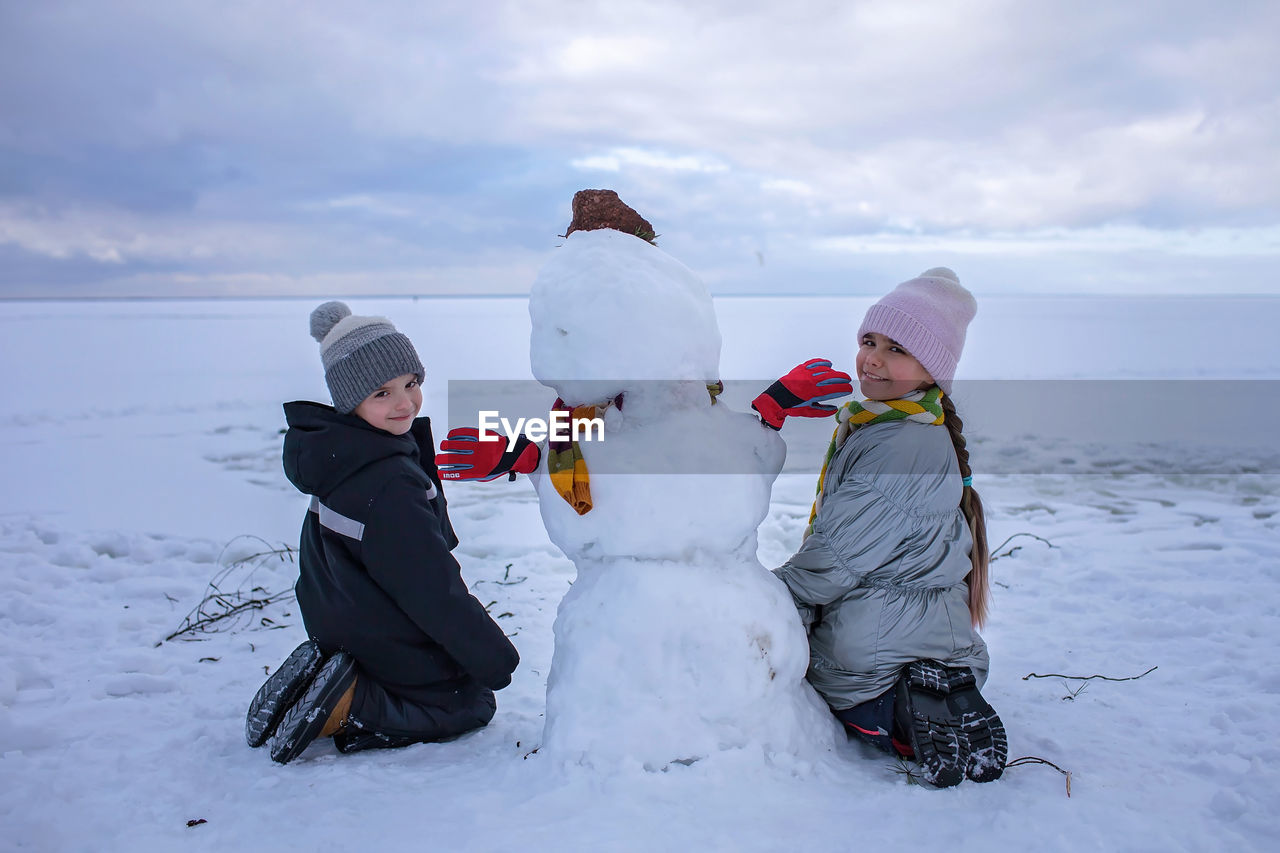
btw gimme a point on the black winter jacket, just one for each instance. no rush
(376, 575)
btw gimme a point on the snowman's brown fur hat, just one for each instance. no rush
(597, 209)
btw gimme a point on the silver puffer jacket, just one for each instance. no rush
(880, 581)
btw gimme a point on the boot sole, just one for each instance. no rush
(988, 743)
(280, 691)
(305, 719)
(936, 736)
(956, 712)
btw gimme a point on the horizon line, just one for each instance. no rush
(525, 295)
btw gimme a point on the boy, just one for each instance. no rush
(400, 651)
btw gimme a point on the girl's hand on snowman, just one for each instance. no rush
(464, 455)
(802, 393)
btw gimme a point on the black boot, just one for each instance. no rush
(872, 721)
(280, 691)
(357, 736)
(936, 738)
(954, 731)
(306, 718)
(984, 731)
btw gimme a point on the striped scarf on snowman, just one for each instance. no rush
(922, 407)
(568, 470)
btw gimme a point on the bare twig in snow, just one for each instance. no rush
(1032, 759)
(1072, 694)
(232, 594)
(996, 554)
(905, 768)
(1087, 677)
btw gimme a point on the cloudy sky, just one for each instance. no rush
(812, 146)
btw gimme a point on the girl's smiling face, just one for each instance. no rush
(393, 405)
(886, 371)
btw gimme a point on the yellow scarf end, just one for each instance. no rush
(573, 484)
(579, 498)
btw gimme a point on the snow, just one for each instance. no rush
(680, 497)
(674, 643)
(606, 302)
(138, 439)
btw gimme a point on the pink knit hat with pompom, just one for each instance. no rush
(928, 315)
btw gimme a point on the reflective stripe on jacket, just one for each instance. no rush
(376, 576)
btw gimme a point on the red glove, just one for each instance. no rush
(463, 456)
(801, 393)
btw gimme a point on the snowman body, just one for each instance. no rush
(673, 643)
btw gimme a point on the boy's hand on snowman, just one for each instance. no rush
(464, 456)
(802, 393)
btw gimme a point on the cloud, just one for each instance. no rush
(1204, 243)
(249, 139)
(984, 114)
(589, 54)
(619, 158)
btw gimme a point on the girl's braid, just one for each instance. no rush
(971, 506)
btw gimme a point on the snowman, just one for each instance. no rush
(673, 643)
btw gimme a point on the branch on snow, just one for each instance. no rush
(1031, 759)
(997, 554)
(232, 594)
(1087, 677)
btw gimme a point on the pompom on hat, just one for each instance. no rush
(929, 316)
(359, 353)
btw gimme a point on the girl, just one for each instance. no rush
(400, 651)
(891, 578)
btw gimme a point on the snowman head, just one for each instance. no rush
(609, 309)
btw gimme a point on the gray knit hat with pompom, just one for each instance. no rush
(359, 353)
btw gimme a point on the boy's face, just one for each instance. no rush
(886, 371)
(393, 406)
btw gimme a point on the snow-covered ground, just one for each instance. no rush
(138, 440)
